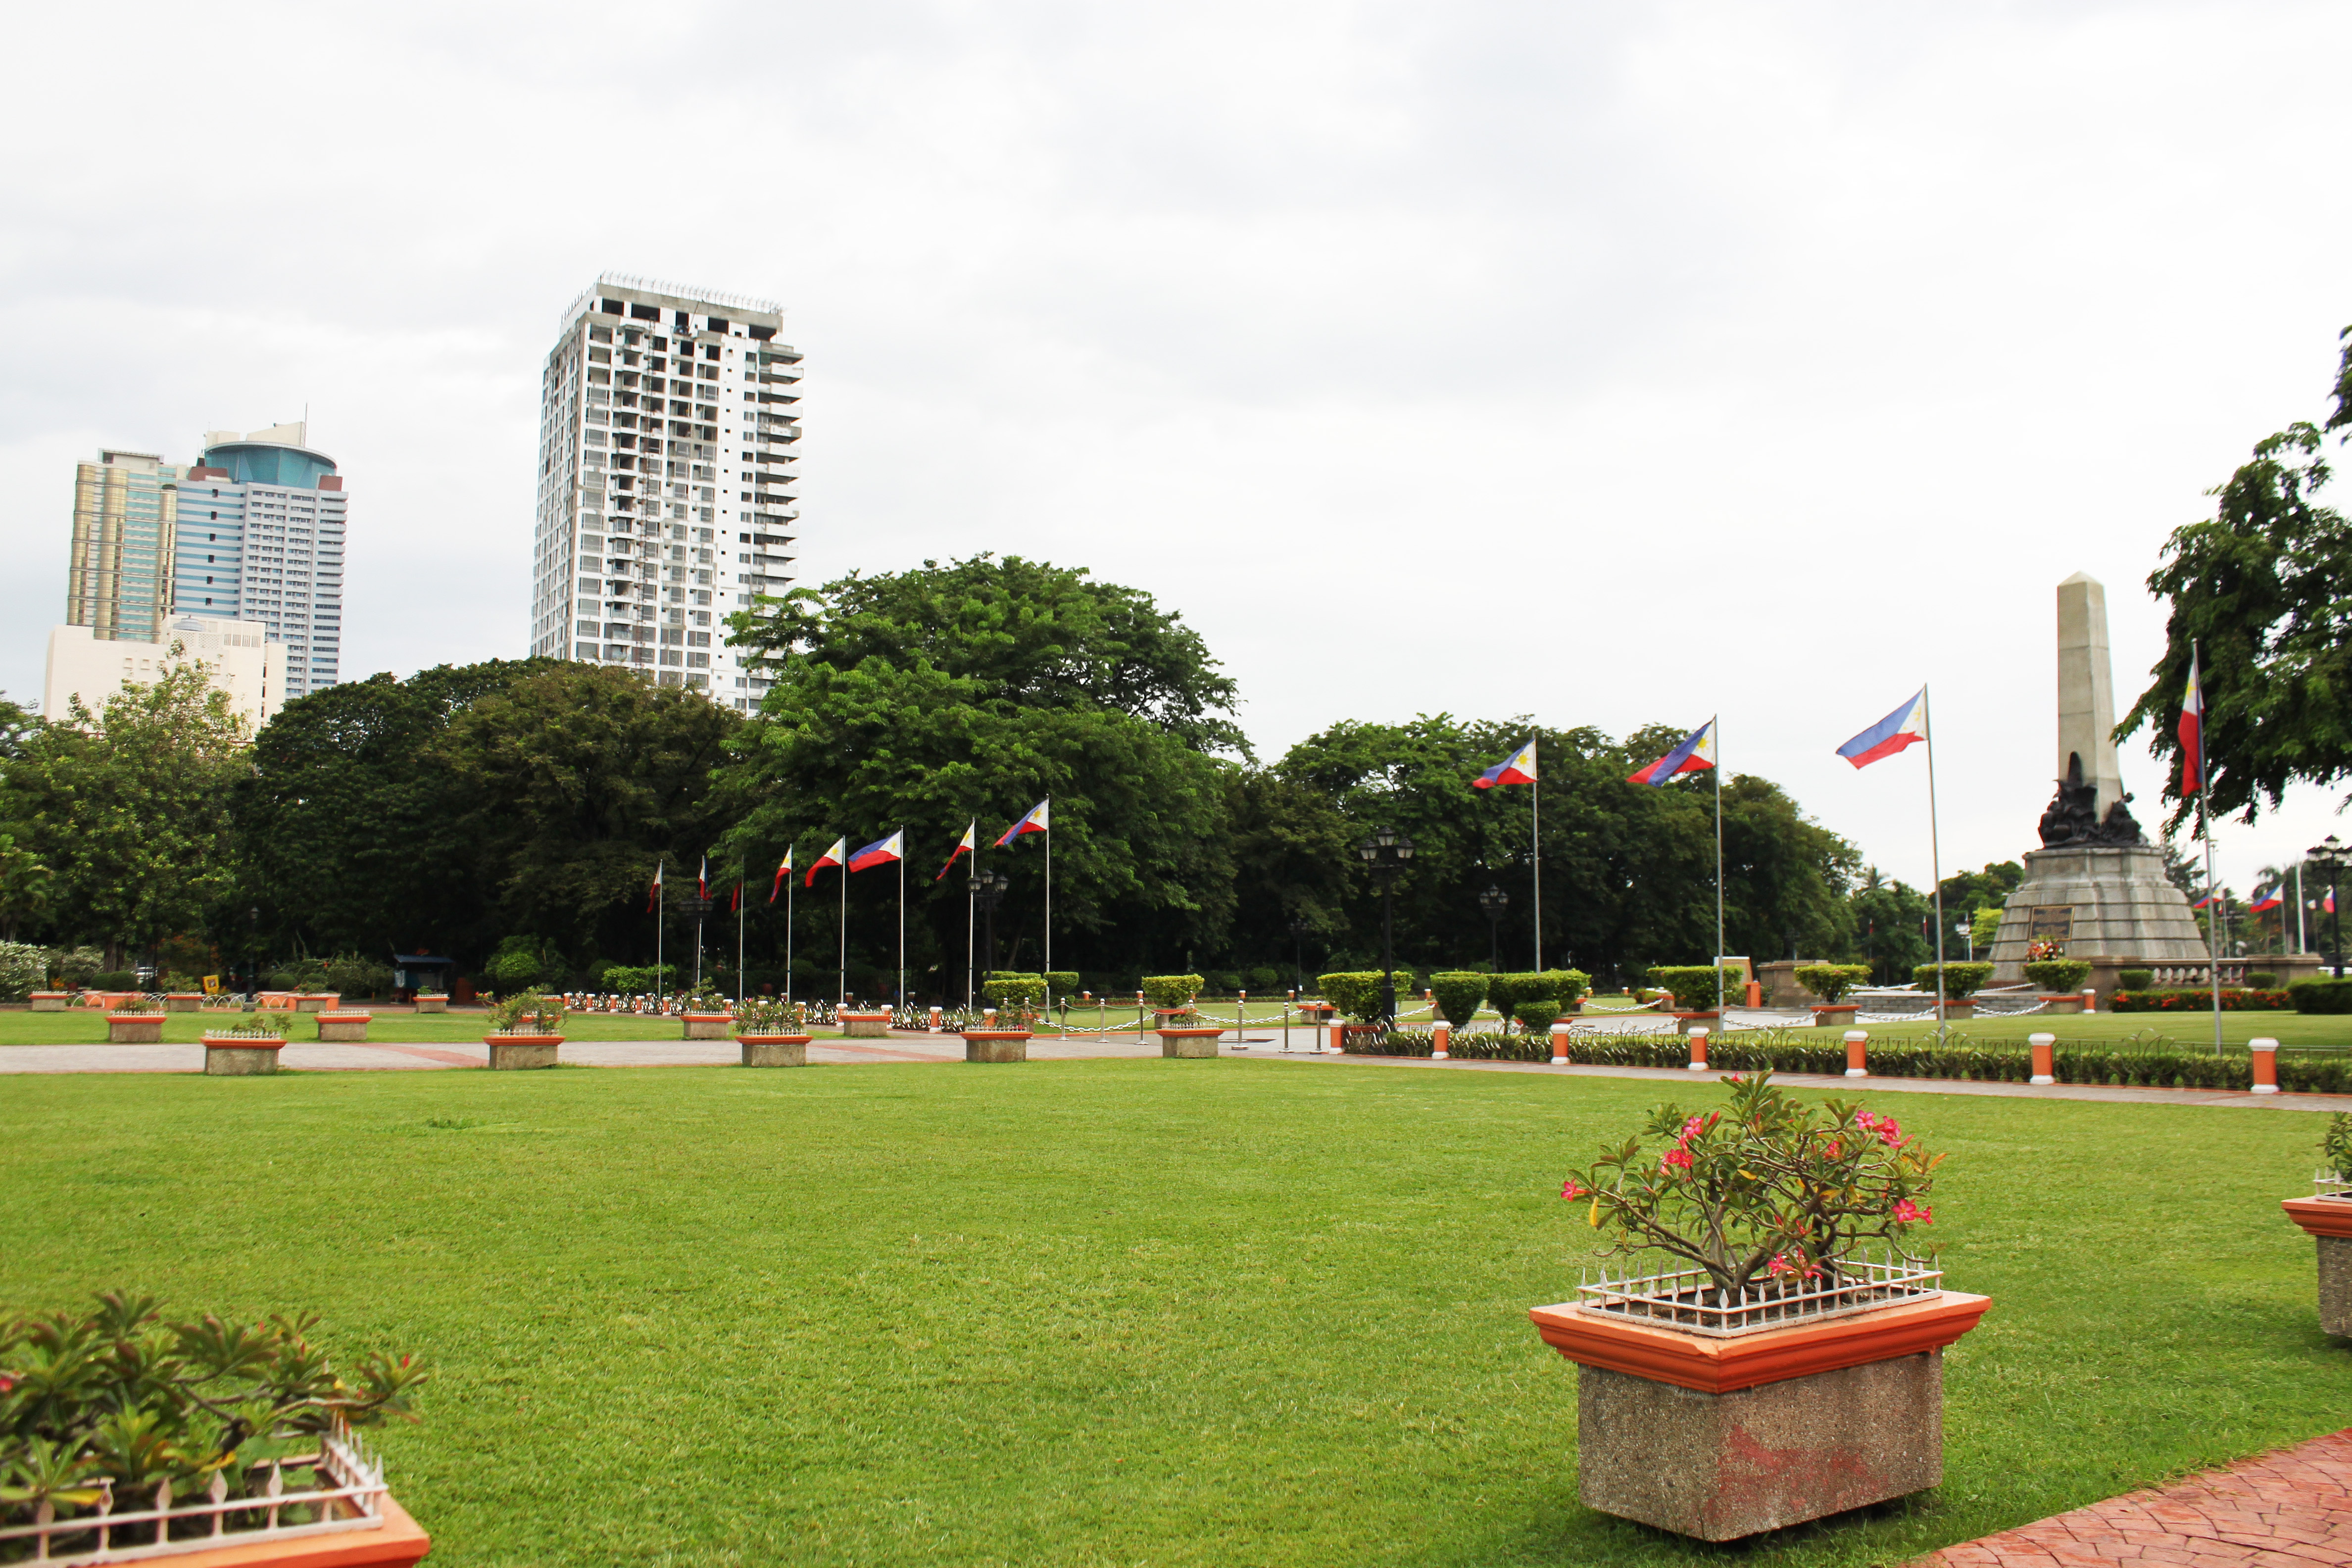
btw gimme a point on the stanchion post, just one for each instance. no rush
(2044, 1069)
(1558, 1044)
(1241, 1006)
(1698, 1048)
(1439, 1038)
(2265, 1065)
(1857, 1048)
(2090, 998)
(1338, 1039)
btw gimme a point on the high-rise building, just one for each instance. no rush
(667, 423)
(120, 584)
(260, 537)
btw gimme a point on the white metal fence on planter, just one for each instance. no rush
(1689, 1300)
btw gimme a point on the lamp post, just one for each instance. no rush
(1386, 850)
(2332, 854)
(252, 948)
(988, 891)
(1494, 902)
(1302, 926)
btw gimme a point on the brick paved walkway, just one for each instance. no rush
(2288, 1508)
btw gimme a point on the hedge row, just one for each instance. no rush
(2233, 1001)
(2178, 1068)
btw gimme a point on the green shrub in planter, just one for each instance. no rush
(115, 980)
(1960, 980)
(1565, 986)
(2261, 980)
(1007, 991)
(1062, 982)
(1537, 1016)
(2134, 979)
(1263, 979)
(1165, 991)
(1356, 992)
(1830, 981)
(2321, 994)
(2060, 976)
(1696, 989)
(1458, 996)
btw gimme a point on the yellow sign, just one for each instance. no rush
(211, 985)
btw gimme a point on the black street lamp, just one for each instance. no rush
(988, 891)
(1494, 902)
(2332, 854)
(1386, 850)
(1302, 926)
(253, 948)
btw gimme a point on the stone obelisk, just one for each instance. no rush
(2096, 887)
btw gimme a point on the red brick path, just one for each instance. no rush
(2288, 1508)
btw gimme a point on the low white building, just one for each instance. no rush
(239, 656)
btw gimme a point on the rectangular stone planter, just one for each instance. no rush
(1191, 1043)
(2328, 1220)
(510, 1052)
(50, 1001)
(343, 1025)
(1720, 1437)
(996, 1045)
(1683, 1021)
(2068, 1004)
(433, 1004)
(707, 1026)
(182, 1001)
(240, 1056)
(133, 1029)
(321, 1002)
(863, 1026)
(1954, 1010)
(774, 1050)
(1835, 1015)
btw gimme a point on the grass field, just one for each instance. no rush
(1112, 1311)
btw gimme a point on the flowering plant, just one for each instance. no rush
(1766, 1188)
(2045, 948)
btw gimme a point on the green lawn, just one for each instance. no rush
(1111, 1311)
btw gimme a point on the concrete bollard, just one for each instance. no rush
(1857, 1053)
(1698, 1048)
(1559, 1045)
(2266, 1066)
(1756, 994)
(1338, 1039)
(2090, 998)
(1440, 1037)
(2044, 1069)
(935, 1020)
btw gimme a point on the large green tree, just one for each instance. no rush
(127, 809)
(2259, 588)
(926, 700)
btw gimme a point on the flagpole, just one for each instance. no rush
(902, 920)
(2205, 826)
(1935, 860)
(1535, 840)
(788, 936)
(2298, 905)
(971, 914)
(661, 918)
(1049, 906)
(841, 974)
(741, 867)
(1716, 725)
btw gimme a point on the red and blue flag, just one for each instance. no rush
(1520, 768)
(2191, 731)
(1905, 726)
(1035, 822)
(830, 857)
(2265, 900)
(1696, 754)
(962, 848)
(880, 852)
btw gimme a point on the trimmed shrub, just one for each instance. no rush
(1264, 979)
(1959, 979)
(23, 968)
(1565, 986)
(1356, 992)
(1165, 991)
(1537, 1016)
(352, 975)
(2238, 1000)
(115, 980)
(2060, 976)
(2321, 994)
(1696, 989)
(1009, 991)
(1458, 996)
(1499, 1047)
(1830, 981)
(2134, 979)
(1062, 981)
(2261, 980)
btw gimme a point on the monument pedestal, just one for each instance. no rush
(2102, 902)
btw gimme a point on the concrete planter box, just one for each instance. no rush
(1683, 1021)
(2328, 1220)
(774, 1050)
(316, 1002)
(1192, 1044)
(133, 1029)
(108, 1001)
(516, 1051)
(240, 1056)
(393, 1539)
(863, 1026)
(50, 1001)
(1834, 1015)
(707, 1026)
(182, 1001)
(996, 1045)
(2072, 1003)
(1720, 1437)
(343, 1025)
(1954, 1010)
(433, 1004)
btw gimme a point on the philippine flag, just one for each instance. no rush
(964, 848)
(1520, 769)
(1905, 726)
(1696, 754)
(702, 878)
(1033, 823)
(653, 894)
(782, 871)
(880, 851)
(2265, 899)
(2327, 904)
(830, 857)
(2192, 732)
(2207, 902)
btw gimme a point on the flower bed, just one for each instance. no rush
(2233, 1001)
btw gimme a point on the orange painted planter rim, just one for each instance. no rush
(1837, 1006)
(398, 1542)
(1712, 1365)
(999, 1034)
(114, 1017)
(2320, 1217)
(775, 1039)
(1194, 1029)
(708, 1017)
(342, 1017)
(877, 1013)
(522, 1039)
(184, 995)
(246, 1042)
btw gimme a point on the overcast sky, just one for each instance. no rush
(1610, 363)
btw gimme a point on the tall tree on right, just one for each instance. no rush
(2259, 588)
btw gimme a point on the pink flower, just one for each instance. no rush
(1864, 1119)
(1889, 1133)
(1569, 1189)
(1678, 1159)
(1908, 1213)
